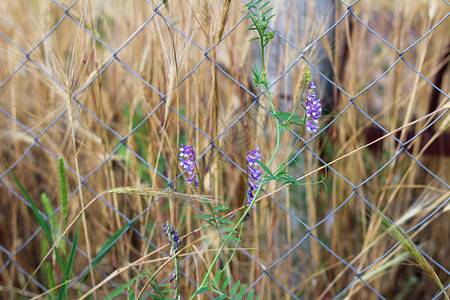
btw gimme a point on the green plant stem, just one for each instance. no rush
(277, 123)
(296, 142)
(205, 278)
(177, 275)
(278, 127)
(299, 100)
(266, 86)
(211, 209)
(303, 126)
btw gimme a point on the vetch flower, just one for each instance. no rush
(254, 173)
(188, 152)
(174, 240)
(313, 108)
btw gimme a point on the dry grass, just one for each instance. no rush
(404, 191)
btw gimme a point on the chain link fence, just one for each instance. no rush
(422, 140)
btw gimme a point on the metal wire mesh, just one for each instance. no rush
(309, 228)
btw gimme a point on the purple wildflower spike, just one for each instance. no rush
(189, 163)
(313, 108)
(174, 239)
(255, 174)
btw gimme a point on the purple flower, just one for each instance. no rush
(174, 239)
(313, 108)
(188, 152)
(254, 174)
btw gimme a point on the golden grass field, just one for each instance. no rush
(103, 95)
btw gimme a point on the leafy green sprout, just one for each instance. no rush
(260, 15)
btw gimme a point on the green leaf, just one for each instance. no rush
(107, 246)
(205, 228)
(270, 16)
(217, 278)
(225, 284)
(42, 223)
(230, 230)
(221, 297)
(37, 215)
(72, 253)
(202, 290)
(264, 167)
(203, 217)
(215, 290)
(111, 242)
(241, 293)
(225, 221)
(235, 288)
(250, 295)
(49, 210)
(120, 289)
(288, 118)
(256, 71)
(267, 11)
(51, 279)
(287, 179)
(261, 8)
(270, 178)
(231, 238)
(63, 292)
(221, 208)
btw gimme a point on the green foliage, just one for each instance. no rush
(214, 220)
(282, 175)
(260, 78)
(266, 169)
(260, 15)
(107, 246)
(160, 291)
(66, 266)
(48, 208)
(121, 288)
(159, 294)
(220, 285)
(286, 118)
(47, 270)
(63, 189)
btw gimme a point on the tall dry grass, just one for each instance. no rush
(161, 58)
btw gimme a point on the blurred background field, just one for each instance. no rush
(113, 87)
